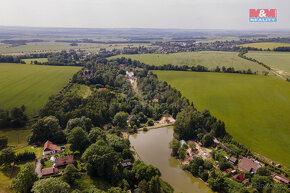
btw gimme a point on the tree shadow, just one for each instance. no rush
(10, 171)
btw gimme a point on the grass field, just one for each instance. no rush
(28, 61)
(51, 46)
(81, 90)
(279, 61)
(31, 85)
(210, 59)
(266, 45)
(255, 108)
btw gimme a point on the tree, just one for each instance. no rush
(99, 160)
(154, 185)
(192, 146)
(7, 156)
(96, 134)
(83, 122)
(25, 179)
(263, 171)
(117, 142)
(260, 182)
(217, 182)
(144, 172)
(187, 122)
(279, 188)
(51, 185)
(207, 140)
(120, 119)
(18, 118)
(70, 174)
(174, 145)
(143, 186)
(3, 142)
(78, 138)
(47, 128)
(224, 164)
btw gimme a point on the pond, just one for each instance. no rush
(153, 148)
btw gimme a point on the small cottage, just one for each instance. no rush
(50, 148)
(63, 162)
(49, 171)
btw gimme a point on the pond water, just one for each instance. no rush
(153, 148)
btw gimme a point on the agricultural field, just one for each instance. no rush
(255, 108)
(266, 45)
(41, 60)
(43, 47)
(210, 59)
(279, 61)
(31, 85)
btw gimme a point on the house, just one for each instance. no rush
(155, 100)
(240, 178)
(281, 179)
(50, 148)
(126, 164)
(233, 160)
(248, 165)
(63, 161)
(49, 171)
(102, 89)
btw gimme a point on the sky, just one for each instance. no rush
(183, 14)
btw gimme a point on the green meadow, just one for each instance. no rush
(279, 61)
(255, 108)
(266, 45)
(210, 59)
(31, 85)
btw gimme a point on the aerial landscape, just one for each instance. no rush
(144, 96)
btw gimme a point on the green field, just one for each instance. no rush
(255, 108)
(41, 60)
(210, 59)
(279, 61)
(266, 45)
(31, 85)
(51, 46)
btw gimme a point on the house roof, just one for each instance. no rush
(49, 146)
(49, 171)
(233, 159)
(239, 177)
(63, 161)
(248, 165)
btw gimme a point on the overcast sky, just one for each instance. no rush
(188, 14)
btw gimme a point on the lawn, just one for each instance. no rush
(31, 85)
(279, 61)
(210, 59)
(80, 90)
(255, 108)
(41, 60)
(266, 45)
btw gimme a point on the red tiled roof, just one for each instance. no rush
(50, 146)
(101, 89)
(63, 161)
(239, 177)
(49, 171)
(248, 165)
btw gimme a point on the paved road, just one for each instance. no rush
(38, 167)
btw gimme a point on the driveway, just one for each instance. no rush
(38, 167)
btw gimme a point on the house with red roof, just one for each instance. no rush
(49, 171)
(63, 162)
(50, 148)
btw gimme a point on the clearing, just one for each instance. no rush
(28, 61)
(31, 85)
(255, 108)
(210, 59)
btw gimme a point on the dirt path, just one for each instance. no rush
(38, 167)
(135, 85)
